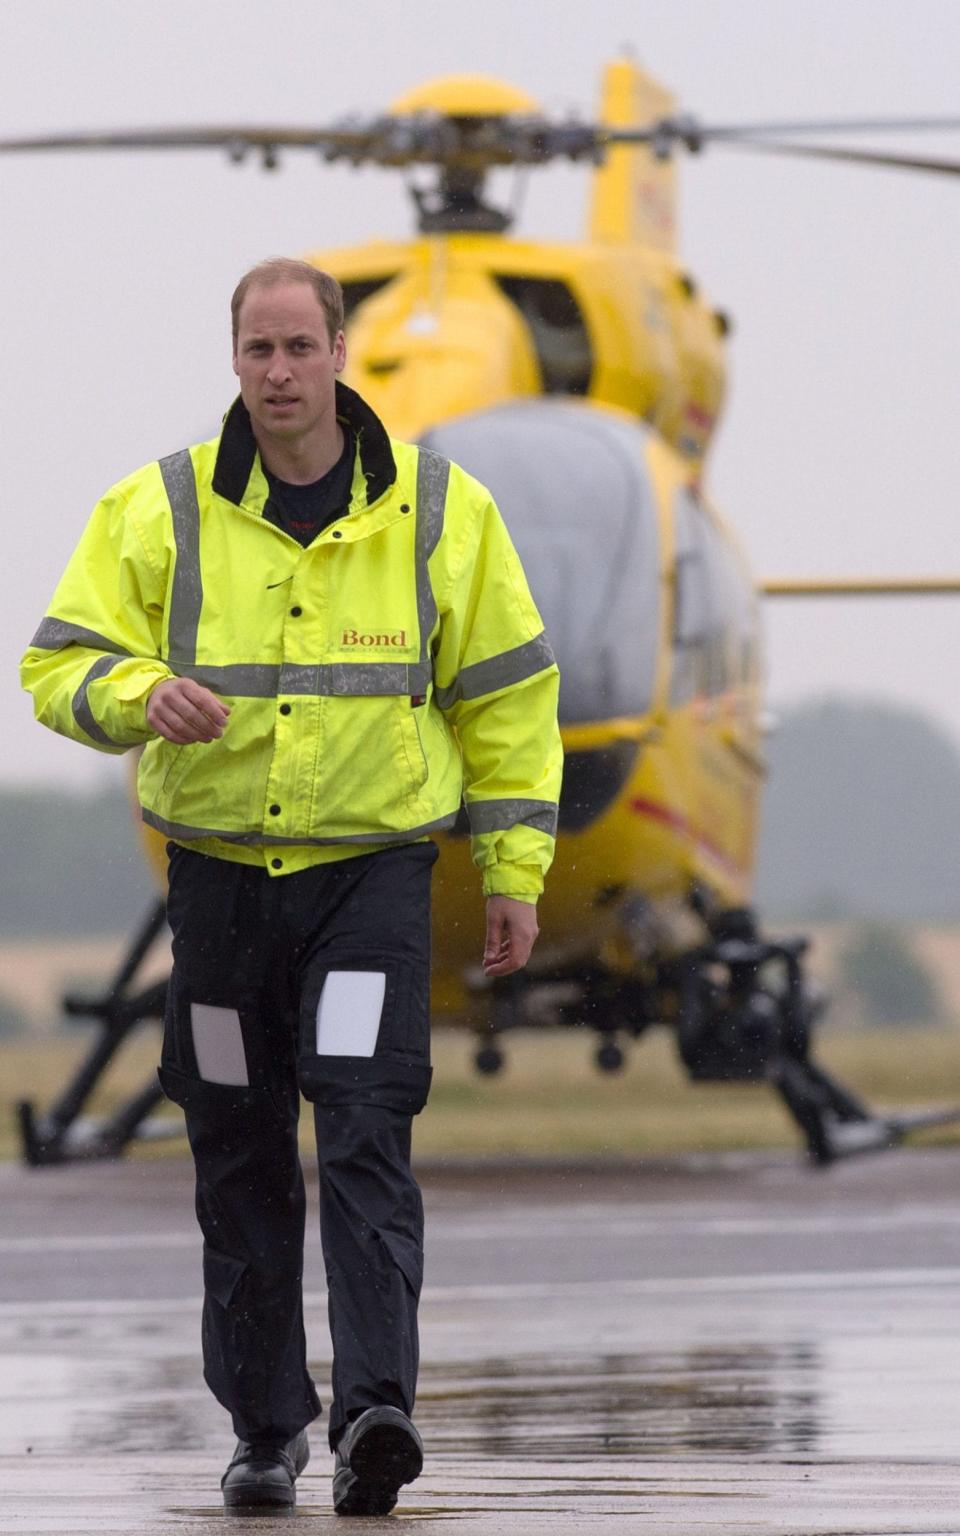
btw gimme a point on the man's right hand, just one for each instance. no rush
(183, 712)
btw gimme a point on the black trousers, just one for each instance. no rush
(315, 983)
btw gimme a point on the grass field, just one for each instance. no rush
(550, 1101)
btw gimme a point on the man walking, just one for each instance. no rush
(325, 639)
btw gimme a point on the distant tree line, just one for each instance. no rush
(879, 967)
(69, 863)
(861, 816)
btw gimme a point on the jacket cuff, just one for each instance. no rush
(524, 882)
(130, 694)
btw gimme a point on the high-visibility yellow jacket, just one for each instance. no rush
(394, 665)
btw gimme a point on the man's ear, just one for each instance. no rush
(339, 353)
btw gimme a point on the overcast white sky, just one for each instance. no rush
(840, 451)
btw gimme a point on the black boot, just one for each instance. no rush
(265, 1475)
(378, 1452)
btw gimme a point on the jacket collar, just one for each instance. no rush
(238, 447)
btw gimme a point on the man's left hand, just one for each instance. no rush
(511, 934)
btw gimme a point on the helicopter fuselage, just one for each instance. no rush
(450, 323)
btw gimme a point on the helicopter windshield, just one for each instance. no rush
(574, 491)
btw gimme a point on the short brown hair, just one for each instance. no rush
(283, 269)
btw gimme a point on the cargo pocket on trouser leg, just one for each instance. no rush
(371, 1222)
(250, 1205)
(222, 1274)
(365, 1032)
(221, 1118)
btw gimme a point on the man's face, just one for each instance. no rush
(285, 362)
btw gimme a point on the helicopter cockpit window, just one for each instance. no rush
(558, 330)
(714, 624)
(574, 491)
(355, 293)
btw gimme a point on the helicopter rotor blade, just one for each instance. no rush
(718, 131)
(878, 158)
(236, 141)
(160, 138)
(479, 144)
(693, 135)
(422, 138)
(683, 125)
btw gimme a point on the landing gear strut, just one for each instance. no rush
(747, 1013)
(744, 1012)
(61, 1135)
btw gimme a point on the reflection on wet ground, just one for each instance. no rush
(751, 1399)
(755, 1399)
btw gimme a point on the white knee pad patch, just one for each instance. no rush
(218, 1045)
(349, 1012)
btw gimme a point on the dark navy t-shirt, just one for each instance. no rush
(303, 511)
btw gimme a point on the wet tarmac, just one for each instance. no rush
(715, 1345)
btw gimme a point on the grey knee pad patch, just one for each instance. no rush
(218, 1045)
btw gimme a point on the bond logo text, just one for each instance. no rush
(358, 637)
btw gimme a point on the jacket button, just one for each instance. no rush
(274, 810)
(296, 612)
(336, 534)
(277, 863)
(405, 507)
(285, 709)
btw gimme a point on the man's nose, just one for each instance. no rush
(279, 369)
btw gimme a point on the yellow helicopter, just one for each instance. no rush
(583, 383)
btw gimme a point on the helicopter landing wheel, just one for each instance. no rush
(609, 1056)
(488, 1060)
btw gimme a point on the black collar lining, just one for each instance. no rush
(238, 447)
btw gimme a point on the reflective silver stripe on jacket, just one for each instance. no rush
(324, 680)
(186, 596)
(262, 680)
(500, 815)
(55, 634)
(433, 474)
(184, 832)
(82, 712)
(499, 671)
